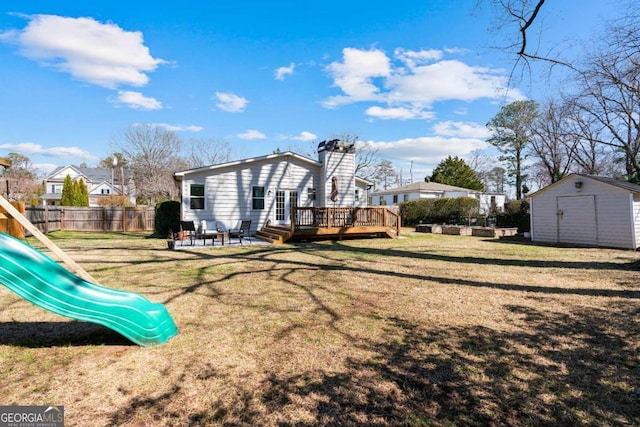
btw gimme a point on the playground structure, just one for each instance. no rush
(72, 292)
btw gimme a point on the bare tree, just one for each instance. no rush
(610, 95)
(367, 160)
(204, 152)
(20, 180)
(153, 155)
(590, 156)
(482, 165)
(553, 143)
(518, 19)
(385, 176)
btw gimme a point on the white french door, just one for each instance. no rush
(285, 201)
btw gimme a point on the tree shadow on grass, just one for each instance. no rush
(553, 369)
(58, 334)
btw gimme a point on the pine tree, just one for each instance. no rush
(454, 171)
(67, 197)
(82, 193)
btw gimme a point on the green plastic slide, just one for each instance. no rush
(40, 280)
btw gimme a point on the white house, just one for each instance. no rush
(489, 202)
(100, 183)
(587, 210)
(266, 188)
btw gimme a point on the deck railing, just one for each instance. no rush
(328, 217)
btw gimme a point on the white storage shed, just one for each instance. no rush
(587, 210)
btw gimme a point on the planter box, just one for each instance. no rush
(494, 232)
(423, 228)
(456, 230)
(429, 228)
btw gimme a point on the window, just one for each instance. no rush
(196, 196)
(257, 198)
(395, 198)
(405, 198)
(357, 195)
(56, 188)
(311, 193)
(105, 191)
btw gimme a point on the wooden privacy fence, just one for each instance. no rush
(117, 219)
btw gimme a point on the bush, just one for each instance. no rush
(455, 210)
(167, 217)
(516, 214)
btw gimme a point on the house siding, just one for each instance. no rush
(339, 164)
(228, 193)
(597, 214)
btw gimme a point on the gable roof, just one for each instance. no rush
(246, 163)
(93, 175)
(424, 187)
(628, 186)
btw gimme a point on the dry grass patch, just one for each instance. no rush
(424, 330)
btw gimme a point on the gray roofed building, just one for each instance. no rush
(100, 183)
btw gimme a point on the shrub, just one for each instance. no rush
(457, 210)
(516, 214)
(167, 217)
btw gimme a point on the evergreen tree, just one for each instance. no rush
(511, 134)
(68, 190)
(454, 171)
(82, 193)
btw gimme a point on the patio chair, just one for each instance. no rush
(189, 230)
(242, 232)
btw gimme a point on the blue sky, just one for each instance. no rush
(417, 79)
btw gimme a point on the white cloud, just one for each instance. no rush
(461, 129)
(101, 54)
(413, 58)
(282, 72)
(355, 75)
(64, 152)
(136, 100)
(44, 168)
(230, 102)
(251, 134)
(175, 128)
(412, 81)
(305, 136)
(427, 149)
(398, 113)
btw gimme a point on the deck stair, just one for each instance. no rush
(276, 234)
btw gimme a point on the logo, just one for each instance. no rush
(31, 416)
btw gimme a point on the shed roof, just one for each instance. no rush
(628, 186)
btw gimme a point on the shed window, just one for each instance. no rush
(196, 196)
(257, 198)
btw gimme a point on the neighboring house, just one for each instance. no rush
(587, 210)
(266, 188)
(489, 202)
(100, 183)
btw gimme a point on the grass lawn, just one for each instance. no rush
(426, 330)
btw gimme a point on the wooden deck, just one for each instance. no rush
(335, 223)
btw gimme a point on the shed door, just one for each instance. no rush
(577, 222)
